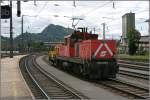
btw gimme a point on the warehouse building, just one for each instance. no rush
(144, 43)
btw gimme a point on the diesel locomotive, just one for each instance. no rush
(84, 54)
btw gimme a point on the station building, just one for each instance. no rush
(144, 43)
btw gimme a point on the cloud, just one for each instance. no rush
(92, 12)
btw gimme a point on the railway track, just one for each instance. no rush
(123, 88)
(134, 62)
(51, 87)
(134, 65)
(126, 89)
(134, 74)
(36, 91)
(139, 69)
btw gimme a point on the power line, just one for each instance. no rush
(38, 13)
(42, 8)
(93, 10)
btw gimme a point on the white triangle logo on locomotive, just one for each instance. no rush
(103, 53)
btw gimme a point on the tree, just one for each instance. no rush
(38, 46)
(133, 37)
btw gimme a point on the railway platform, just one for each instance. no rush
(13, 86)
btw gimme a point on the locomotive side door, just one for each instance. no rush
(77, 49)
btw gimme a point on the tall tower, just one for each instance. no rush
(128, 22)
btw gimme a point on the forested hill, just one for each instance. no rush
(55, 33)
(50, 33)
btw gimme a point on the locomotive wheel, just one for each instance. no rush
(75, 69)
(49, 58)
(57, 63)
(60, 65)
(81, 69)
(66, 68)
(86, 70)
(54, 62)
(95, 71)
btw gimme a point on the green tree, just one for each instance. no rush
(38, 47)
(133, 37)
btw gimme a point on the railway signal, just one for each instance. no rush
(18, 8)
(5, 12)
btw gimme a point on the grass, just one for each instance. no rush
(134, 57)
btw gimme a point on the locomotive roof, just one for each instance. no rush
(86, 34)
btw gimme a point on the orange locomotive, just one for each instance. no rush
(83, 54)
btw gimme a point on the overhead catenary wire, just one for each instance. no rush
(38, 13)
(41, 9)
(93, 10)
(125, 12)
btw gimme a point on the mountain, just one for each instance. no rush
(54, 33)
(50, 33)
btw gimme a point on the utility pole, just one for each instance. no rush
(22, 34)
(11, 31)
(103, 31)
(35, 2)
(74, 3)
(68, 29)
(22, 40)
(0, 28)
(94, 30)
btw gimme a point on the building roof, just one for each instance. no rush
(147, 20)
(128, 14)
(144, 38)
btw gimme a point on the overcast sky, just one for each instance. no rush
(94, 14)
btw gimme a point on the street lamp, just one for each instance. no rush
(107, 17)
(56, 16)
(143, 19)
(111, 19)
(56, 5)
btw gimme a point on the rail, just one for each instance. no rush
(49, 84)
